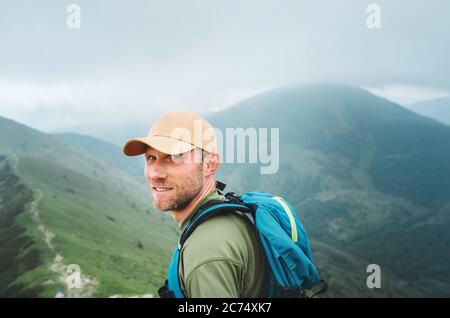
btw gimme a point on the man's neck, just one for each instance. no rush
(180, 216)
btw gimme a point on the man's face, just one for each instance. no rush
(174, 180)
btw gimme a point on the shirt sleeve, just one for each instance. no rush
(218, 278)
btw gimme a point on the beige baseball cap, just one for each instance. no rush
(173, 133)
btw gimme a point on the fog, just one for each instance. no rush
(128, 62)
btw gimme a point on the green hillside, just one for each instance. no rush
(73, 208)
(18, 252)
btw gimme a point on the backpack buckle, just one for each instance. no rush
(233, 197)
(220, 185)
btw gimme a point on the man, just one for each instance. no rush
(223, 257)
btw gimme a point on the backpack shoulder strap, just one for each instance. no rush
(210, 209)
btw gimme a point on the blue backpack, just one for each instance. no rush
(285, 243)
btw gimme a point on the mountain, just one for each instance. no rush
(64, 210)
(438, 109)
(112, 132)
(370, 180)
(106, 152)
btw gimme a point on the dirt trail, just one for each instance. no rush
(87, 284)
(75, 285)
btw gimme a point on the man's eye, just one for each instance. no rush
(176, 158)
(151, 158)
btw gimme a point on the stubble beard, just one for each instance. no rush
(184, 195)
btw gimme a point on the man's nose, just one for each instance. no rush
(156, 172)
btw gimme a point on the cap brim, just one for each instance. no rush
(138, 146)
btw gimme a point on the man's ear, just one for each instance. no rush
(212, 163)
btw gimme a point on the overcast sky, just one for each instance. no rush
(130, 60)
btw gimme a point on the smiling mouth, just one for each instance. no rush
(161, 189)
